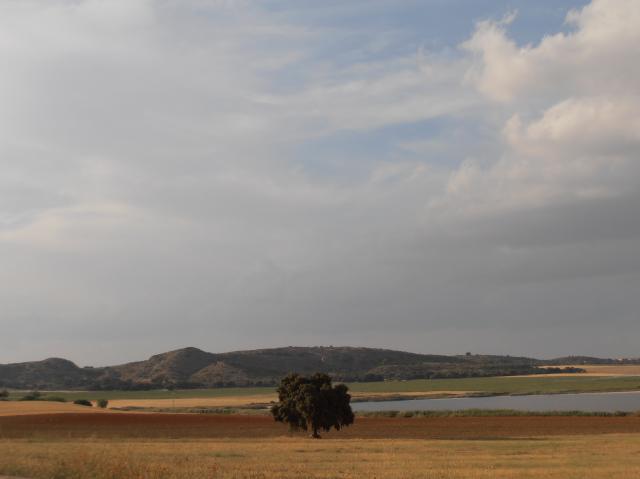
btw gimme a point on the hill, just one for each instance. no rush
(194, 368)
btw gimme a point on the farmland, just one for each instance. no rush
(19, 408)
(507, 385)
(607, 369)
(370, 390)
(41, 439)
(189, 446)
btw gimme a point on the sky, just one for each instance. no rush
(437, 176)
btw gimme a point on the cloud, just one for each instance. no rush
(153, 192)
(595, 52)
(573, 132)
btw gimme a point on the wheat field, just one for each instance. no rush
(188, 446)
(576, 457)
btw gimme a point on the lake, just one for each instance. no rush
(587, 402)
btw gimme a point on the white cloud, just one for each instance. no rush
(148, 179)
(599, 52)
(574, 130)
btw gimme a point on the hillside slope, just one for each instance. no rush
(192, 368)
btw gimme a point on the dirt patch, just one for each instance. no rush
(126, 425)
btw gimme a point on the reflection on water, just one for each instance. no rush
(588, 402)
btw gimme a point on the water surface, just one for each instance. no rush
(587, 402)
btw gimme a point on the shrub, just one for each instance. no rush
(102, 403)
(4, 395)
(32, 396)
(54, 399)
(82, 402)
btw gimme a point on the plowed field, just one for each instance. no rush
(126, 425)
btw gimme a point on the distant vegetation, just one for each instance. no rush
(83, 402)
(591, 360)
(38, 396)
(190, 368)
(32, 396)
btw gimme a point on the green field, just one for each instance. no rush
(507, 385)
(153, 394)
(491, 385)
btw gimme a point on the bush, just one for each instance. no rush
(102, 403)
(54, 399)
(4, 395)
(82, 402)
(32, 396)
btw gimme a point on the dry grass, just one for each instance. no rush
(171, 446)
(205, 402)
(19, 408)
(540, 458)
(260, 400)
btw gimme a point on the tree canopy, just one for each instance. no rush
(312, 403)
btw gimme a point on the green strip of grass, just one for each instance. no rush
(507, 385)
(153, 394)
(488, 386)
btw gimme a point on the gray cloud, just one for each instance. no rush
(150, 198)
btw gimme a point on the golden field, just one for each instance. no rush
(189, 446)
(259, 399)
(211, 402)
(573, 457)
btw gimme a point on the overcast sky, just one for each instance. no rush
(437, 176)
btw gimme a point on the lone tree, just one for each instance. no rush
(312, 403)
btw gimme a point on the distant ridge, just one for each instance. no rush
(193, 368)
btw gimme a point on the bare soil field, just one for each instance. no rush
(191, 426)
